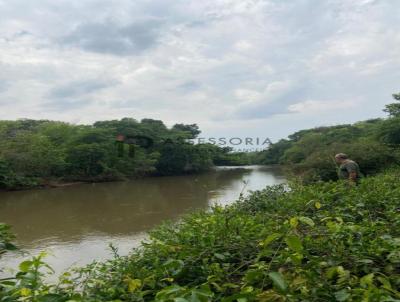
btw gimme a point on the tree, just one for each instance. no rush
(87, 160)
(192, 130)
(33, 155)
(275, 152)
(200, 157)
(5, 174)
(394, 108)
(33, 152)
(173, 159)
(389, 131)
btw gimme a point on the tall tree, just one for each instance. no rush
(192, 130)
(394, 108)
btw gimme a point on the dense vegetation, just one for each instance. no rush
(228, 157)
(374, 144)
(41, 152)
(324, 241)
(321, 242)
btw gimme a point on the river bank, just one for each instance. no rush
(61, 183)
(77, 223)
(320, 242)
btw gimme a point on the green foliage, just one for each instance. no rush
(393, 109)
(389, 131)
(173, 158)
(275, 151)
(10, 180)
(6, 175)
(310, 153)
(192, 130)
(372, 157)
(373, 143)
(32, 153)
(86, 160)
(200, 157)
(184, 158)
(45, 152)
(28, 284)
(226, 157)
(320, 242)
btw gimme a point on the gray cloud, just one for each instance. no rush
(4, 85)
(237, 61)
(268, 107)
(111, 38)
(80, 88)
(74, 95)
(66, 104)
(189, 86)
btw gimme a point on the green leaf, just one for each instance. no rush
(25, 292)
(307, 221)
(166, 292)
(10, 246)
(367, 280)
(174, 266)
(219, 256)
(200, 295)
(270, 239)
(278, 281)
(236, 297)
(294, 221)
(385, 282)
(342, 295)
(366, 261)
(134, 285)
(331, 272)
(294, 243)
(25, 266)
(51, 298)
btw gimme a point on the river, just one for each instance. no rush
(76, 224)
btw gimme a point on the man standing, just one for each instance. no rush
(348, 169)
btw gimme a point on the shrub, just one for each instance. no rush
(321, 242)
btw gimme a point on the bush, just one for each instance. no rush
(389, 131)
(320, 242)
(320, 165)
(374, 144)
(10, 180)
(323, 242)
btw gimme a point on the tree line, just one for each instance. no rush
(43, 152)
(373, 143)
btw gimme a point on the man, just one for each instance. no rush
(348, 169)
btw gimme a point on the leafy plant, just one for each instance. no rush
(6, 239)
(320, 242)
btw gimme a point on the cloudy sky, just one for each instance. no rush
(235, 67)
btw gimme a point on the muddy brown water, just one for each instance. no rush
(76, 224)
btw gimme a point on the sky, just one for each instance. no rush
(237, 68)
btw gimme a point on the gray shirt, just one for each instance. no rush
(348, 167)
